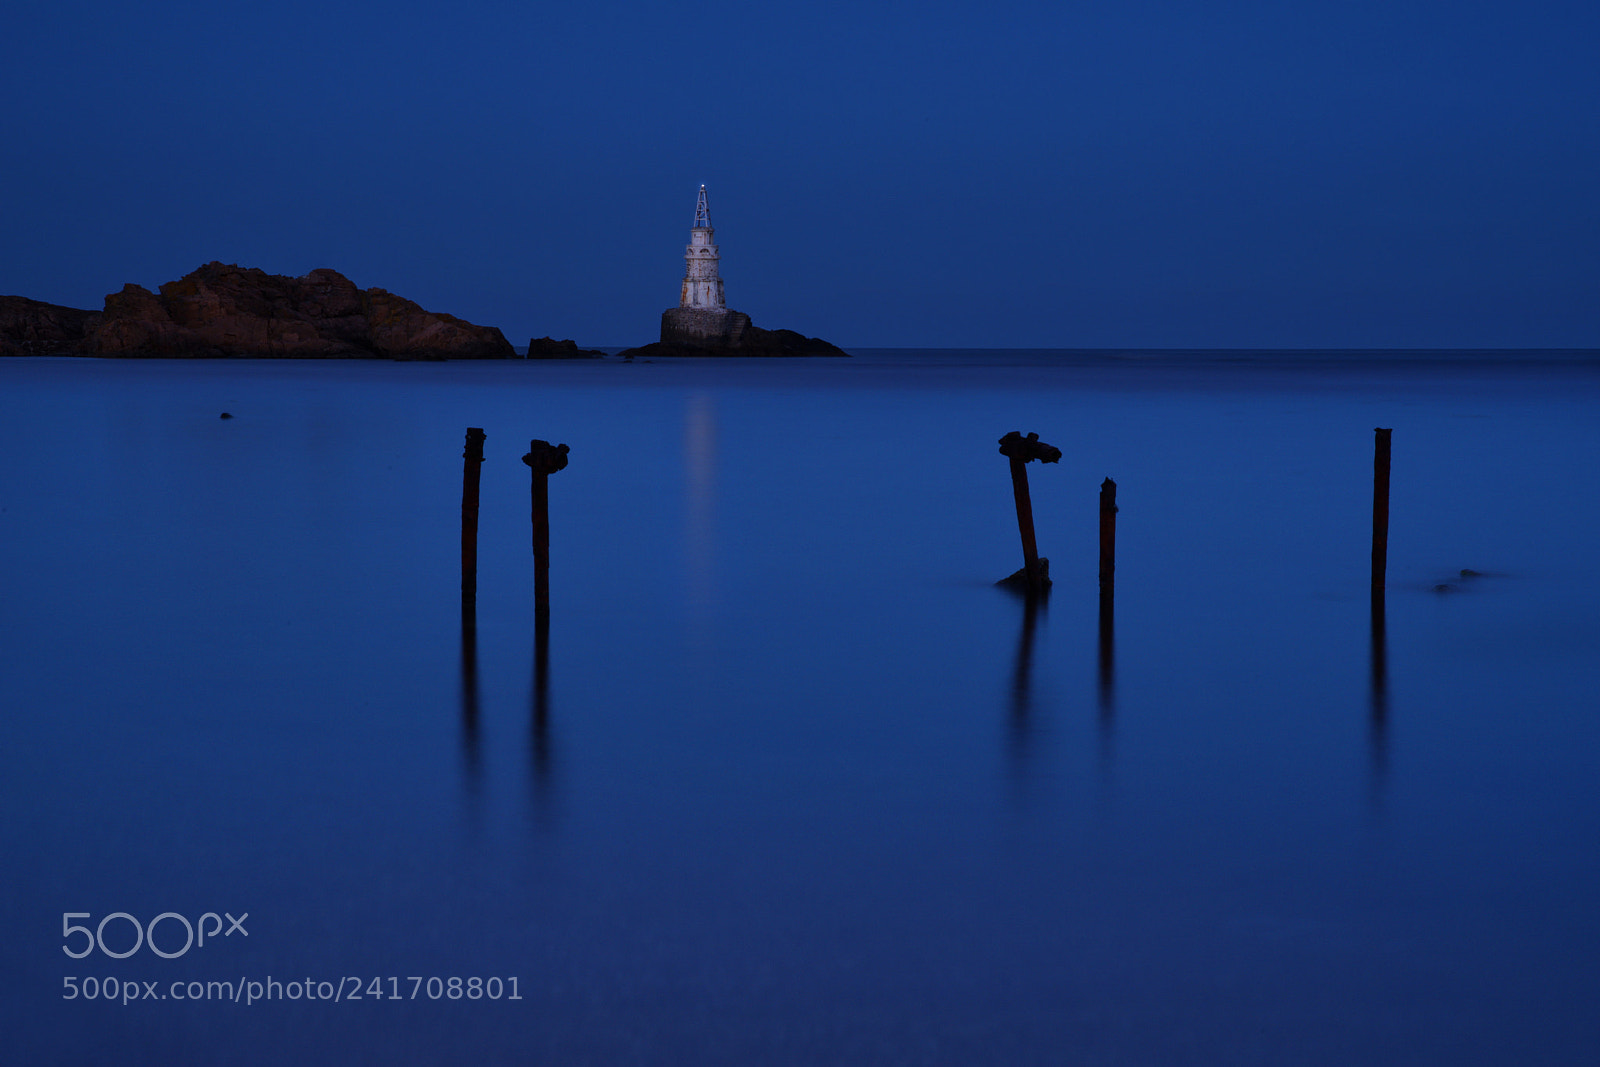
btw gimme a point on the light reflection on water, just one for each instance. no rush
(786, 779)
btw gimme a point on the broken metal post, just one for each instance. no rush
(544, 459)
(1020, 450)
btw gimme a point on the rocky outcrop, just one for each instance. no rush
(226, 310)
(402, 330)
(34, 328)
(759, 342)
(549, 348)
(136, 323)
(724, 332)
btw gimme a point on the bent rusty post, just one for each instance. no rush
(1020, 450)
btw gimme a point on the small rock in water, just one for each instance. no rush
(1469, 573)
(224, 415)
(1021, 580)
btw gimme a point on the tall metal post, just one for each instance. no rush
(1380, 509)
(1108, 536)
(544, 459)
(471, 467)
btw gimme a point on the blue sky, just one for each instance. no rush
(1129, 174)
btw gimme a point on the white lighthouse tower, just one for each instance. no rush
(703, 325)
(702, 288)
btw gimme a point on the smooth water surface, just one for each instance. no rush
(795, 783)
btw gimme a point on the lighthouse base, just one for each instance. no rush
(721, 332)
(704, 327)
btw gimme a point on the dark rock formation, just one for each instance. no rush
(33, 328)
(402, 330)
(224, 310)
(724, 332)
(137, 323)
(549, 348)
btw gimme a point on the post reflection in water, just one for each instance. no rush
(540, 754)
(700, 510)
(1021, 725)
(1106, 676)
(471, 748)
(1378, 697)
(543, 459)
(702, 661)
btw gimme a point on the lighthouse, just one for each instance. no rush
(702, 287)
(704, 325)
(702, 318)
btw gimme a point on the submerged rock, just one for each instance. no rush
(724, 332)
(1463, 580)
(549, 348)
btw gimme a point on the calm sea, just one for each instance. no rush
(793, 781)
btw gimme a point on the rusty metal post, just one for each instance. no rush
(1108, 570)
(1019, 489)
(541, 697)
(1380, 509)
(1022, 679)
(472, 465)
(1020, 450)
(1108, 536)
(544, 459)
(471, 468)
